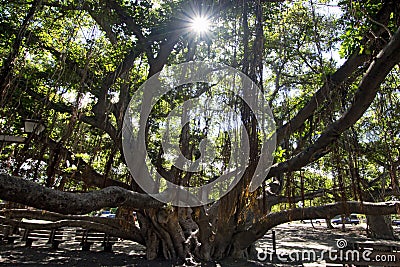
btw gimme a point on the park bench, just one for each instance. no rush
(88, 237)
(8, 234)
(54, 237)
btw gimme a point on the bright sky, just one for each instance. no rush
(331, 8)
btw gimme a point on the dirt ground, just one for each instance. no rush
(290, 239)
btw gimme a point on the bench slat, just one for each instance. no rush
(88, 238)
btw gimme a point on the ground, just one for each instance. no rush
(291, 239)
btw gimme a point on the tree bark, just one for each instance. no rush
(328, 223)
(32, 194)
(380, 227)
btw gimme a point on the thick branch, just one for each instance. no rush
(90, 177)
(271, 220)
(274, 200)
(341, 75)
(132, 25)
(104, 24)
(166, 48)
(375, 75)
(103, 104)
(28, 193)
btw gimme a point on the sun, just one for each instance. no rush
(200, 24)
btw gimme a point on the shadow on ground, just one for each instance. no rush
(290, 237)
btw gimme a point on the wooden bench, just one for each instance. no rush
(10, 239)
(54, 237)
(87, 238)
(8, 234)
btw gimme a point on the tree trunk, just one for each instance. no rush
(328, 223)
(380, 227)
(190, 235)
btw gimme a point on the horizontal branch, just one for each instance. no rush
(29, 193)
(273, 219)
(274, 200)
